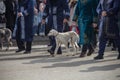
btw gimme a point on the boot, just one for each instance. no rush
(84, 50)
(98, 57)
(118, 56)
(91, 49)
(82, 54)
(28, 48)
(119, 53)
(90, 52)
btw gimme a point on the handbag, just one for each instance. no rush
(109, 31)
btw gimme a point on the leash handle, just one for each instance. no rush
(66, 27)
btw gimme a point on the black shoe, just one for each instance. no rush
(59, 52)
(50, 51)
(27, 52)
(49, 45)
(118, 56)
(113, 49)
(108, 45)
(90, 52)
(19, 50)
(82, 54)
(98, 57)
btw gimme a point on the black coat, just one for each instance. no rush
(10, 14)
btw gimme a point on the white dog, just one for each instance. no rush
(65, 38)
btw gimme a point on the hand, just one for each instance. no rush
(104, 13)
(20, 14)
(35, 11)
(43, 21)
(65, 21)
(74, 23)
(94, 25)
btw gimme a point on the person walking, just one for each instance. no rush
(86, 17)
(108, 28)
(10, 14)
(23, 31)
(57, 12)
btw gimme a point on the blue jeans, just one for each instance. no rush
(41, 28)
(35, 29)
(103, 42)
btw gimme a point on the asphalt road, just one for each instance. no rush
(40, 66)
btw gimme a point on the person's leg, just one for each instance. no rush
(91, 49)
(119, 53)
(114, 47)
(35, 30)
(102, 45)
(28, 47)
(117, 42)
(54, 46)
(52, 43)
(43, 30)
(39, 28)
(109, 42)
(84, 50)
(20, 45)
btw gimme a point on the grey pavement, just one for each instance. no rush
(40, 66)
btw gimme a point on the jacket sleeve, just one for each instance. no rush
(114, 9)
(3, 8)
(77, 11)
(29, 9)
(95, 15)
(99, 8)
(46, 11)
(66, 9)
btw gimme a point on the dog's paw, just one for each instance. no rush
(67, 55)
(7, 49)
(73, 54)
(11, 43)
(52, 55)
(0, 49)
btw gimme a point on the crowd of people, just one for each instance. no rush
(93, 20)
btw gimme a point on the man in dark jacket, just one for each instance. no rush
(10, 13)
(108, 28)
(24, 24)
(57, 12)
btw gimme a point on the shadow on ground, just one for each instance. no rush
(102, 68)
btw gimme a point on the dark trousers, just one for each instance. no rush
(111, 41)
(22, 45)
(53, 42)
(87, 47)
(102, 45)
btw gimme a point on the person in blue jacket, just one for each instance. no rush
(108, 28)
(24, 25)
(57, 12)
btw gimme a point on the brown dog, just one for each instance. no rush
(5, 36)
